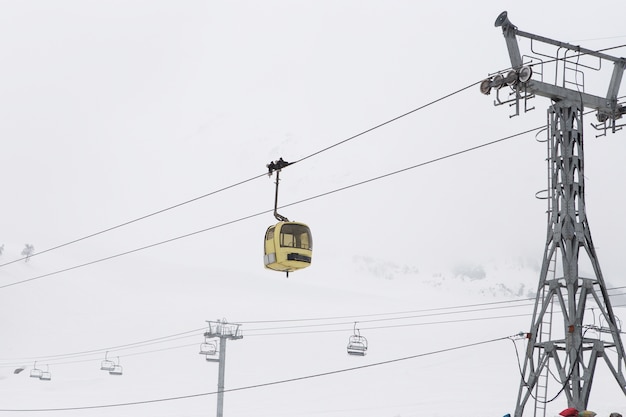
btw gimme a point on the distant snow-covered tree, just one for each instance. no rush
(28, 251)
(1, 249)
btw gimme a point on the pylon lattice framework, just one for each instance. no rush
(574, 350)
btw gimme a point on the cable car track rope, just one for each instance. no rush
(327, 193)
(267, 384)
(200, 197)
(330, 322)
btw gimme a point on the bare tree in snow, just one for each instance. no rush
(28, 251)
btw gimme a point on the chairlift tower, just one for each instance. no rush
(568, 354)
(223, 331)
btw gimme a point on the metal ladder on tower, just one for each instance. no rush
(541, 389)
(545, 332)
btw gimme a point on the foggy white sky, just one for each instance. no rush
(115, 109)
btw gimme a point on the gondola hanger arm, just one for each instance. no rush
(276, 166)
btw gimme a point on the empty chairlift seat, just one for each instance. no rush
(45, 376)
(117, 368)
(36, 372)
(357, 345)
(107, 364)
(208, 348)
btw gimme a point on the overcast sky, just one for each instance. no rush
(112, 110)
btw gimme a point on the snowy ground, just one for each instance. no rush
(99, 311)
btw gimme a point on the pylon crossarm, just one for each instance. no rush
(607, 107)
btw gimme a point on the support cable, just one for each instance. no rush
(240, 182)
(13, 362)
(261, 175)
(107, 258)
(262, 385)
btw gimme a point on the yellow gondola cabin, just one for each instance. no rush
(288, 246)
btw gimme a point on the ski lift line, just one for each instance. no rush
(109, 229)
(108, 258)
(267, 384)
(163, 339)
(51, 359)
(393, 318)
(94, 360)
(47, 358)
(384, 314)
(385, 319)
(99, 359)
(250, 332)
(192, 333)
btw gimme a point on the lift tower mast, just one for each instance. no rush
(223, 331)
(573, 350)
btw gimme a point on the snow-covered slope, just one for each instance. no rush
(437, 342)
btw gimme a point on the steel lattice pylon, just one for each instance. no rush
(569, 352)
(575, 351)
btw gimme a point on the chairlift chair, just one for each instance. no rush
(35, 372)
(208, 348)
(357, 344)
(117, 368)
(107, 364)
(210, 352)
(45, 376)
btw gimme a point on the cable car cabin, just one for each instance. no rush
(357, 345)
(288, 246)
